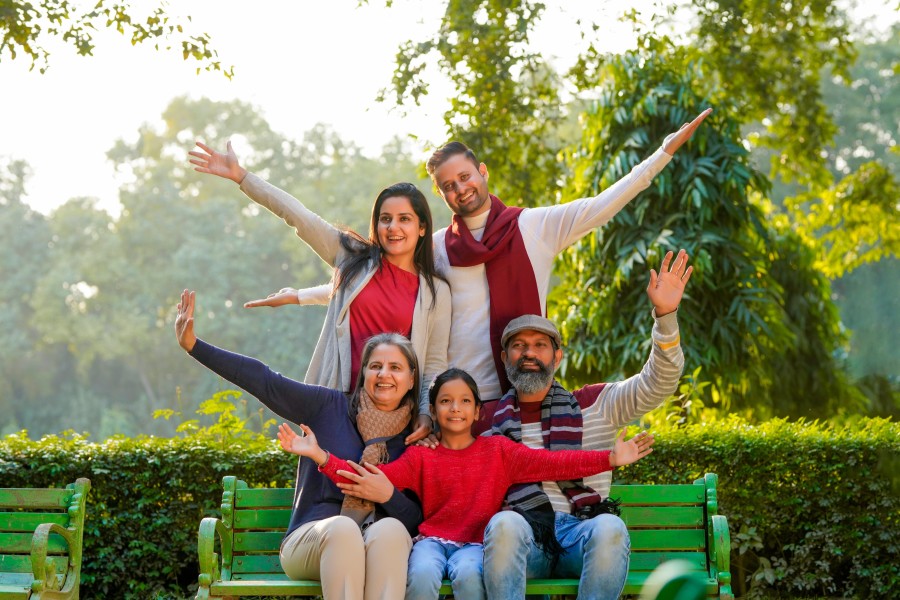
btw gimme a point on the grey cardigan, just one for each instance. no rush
(330, 363)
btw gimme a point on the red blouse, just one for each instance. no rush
(385, 305)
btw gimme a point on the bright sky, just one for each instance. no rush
(299, 62)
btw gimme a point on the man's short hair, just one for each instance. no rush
(531, 323)
(445, 152)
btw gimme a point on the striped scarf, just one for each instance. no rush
(561, 429)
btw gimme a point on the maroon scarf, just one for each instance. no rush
(512, 287)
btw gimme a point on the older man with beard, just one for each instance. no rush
(571, 528)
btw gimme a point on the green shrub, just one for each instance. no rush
(813, 509)
(147, 498)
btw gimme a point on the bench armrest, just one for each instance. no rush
(720, 554)
(210, 570)
(44, 573)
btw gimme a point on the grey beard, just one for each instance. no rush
(530, 382)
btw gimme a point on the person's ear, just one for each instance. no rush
(503, 356)
(482, 168)
(558, 355)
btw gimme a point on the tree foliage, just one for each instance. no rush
(865, 106)
(91, 297)
(852, 223)
(764, 270)
(735, 316)
(25, 27)
(506, 104)
(26, 236)
(768, 57)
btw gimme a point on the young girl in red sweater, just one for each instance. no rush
(462, 483)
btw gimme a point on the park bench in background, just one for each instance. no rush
(666, 522)
(40, 541)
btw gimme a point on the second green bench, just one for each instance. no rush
(40, 541)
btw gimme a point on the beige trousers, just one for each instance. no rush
(351, 565)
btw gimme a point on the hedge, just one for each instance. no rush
(813, 509)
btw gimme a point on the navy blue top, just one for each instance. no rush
(326, 412)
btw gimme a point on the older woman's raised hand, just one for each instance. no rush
(216, 163)
(676, 140)
(306, 445)
(184, 321)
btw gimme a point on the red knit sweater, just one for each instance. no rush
(461, 490)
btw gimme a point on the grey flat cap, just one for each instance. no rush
(532, 323)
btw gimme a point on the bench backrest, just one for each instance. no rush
(669, 522)
(21, 511)
(665, 522)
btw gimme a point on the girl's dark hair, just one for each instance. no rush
(363, 251)
(450, 375)
(405, 346)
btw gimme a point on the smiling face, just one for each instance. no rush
(463, 185)
(455, 408)
(399, 227)
(530, 361)
(388, 376)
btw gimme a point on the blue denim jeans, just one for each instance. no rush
(431, 559)
(597, 552)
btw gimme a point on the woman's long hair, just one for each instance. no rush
(402, 343)
(364, 251)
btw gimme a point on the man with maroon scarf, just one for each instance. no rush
(498, 259)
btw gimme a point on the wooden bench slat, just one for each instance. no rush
(34, 498)
(649, 549)
(268, 588)
(15, 586)
(658, 494)
(256, 563)
(258, 541)
(262, 519)
(662, 516)
(21, 563)
(647, 561)
(280, 576)
(28, 521)
(16, 543)
(641, 539)
(634, 583)
(628, 494)
(268, 497)
(18, 585)
(668, 539)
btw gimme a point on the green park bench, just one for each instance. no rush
(40, 541)
(666, 522)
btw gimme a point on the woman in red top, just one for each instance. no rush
(385, 283)
(463, 482)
